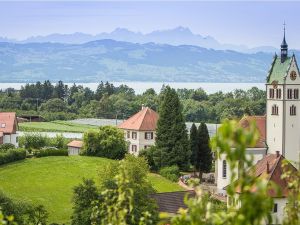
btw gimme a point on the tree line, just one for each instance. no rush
(60, 102)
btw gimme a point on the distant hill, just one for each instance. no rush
(177, 36)
(123, 61)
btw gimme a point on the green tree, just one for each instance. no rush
(54, 105)
(83, 197)
(204, 156)
(194, 144)
(172, 139)
(128, 200)
(107, 142)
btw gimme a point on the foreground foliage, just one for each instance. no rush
(123, 197)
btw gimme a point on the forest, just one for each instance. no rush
(62, 102)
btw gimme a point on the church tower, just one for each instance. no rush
(283, 106)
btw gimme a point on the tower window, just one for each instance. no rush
(278, 93)
(224, 169)
(290, 93)
(293, 110)
(271, 93)
(274, 110)
(296, 93)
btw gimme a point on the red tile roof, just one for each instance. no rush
(261, 126)
(270, 168)
(8, 122)
(75, 144)
(144, 120)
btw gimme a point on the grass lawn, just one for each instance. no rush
(49, 181)
(55, 126)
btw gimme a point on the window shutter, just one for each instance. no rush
(146, 135)
(151, 135)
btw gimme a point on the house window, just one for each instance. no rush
(290, 93)
(128, 134)
(224, 169)
(146, 146)
(271, 93)
(275, 208)
(278, 93)
(293, 110)
(148, 135)
(274, 110)
(134, 135)
(133, 148)
(296, 93)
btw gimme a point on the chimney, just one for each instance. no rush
(268, 167)
(277, 154)
(143, 106)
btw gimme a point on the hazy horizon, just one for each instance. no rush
(227, 22)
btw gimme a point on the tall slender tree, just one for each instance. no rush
(172, 138)
(194, 146)
(204, 162)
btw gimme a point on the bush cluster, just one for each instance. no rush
(170, 172)
(50, 152)
(6, 146)
(12, 155)
(38, 141)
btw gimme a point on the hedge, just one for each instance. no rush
(50, 152)
(170, 172)
(12, 155)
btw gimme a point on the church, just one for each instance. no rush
(279, 129)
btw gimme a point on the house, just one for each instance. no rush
(8, 128)
(279, 130)
(223, 174)
(74, 147)
(271, 169)
(139, 130)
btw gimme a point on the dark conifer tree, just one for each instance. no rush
(194, 146)
(204, 162)
(172, 138)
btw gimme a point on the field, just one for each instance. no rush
(50, 180)
(55, 126)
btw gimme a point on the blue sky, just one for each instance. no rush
(238, 22)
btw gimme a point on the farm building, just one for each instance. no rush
(74, 147)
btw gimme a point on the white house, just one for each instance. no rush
(139, 130)
(8, 128)
(279, 129)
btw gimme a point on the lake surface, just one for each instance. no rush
(140, 87)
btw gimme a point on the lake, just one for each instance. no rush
(140, 87)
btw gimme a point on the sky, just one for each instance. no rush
(236, 22)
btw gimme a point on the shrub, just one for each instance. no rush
(170, 172)
(107, 142)
(38, 141)
(12, 155)
(6, 146)
(33, 141)
(50, 152)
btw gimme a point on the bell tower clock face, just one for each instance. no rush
(293, 75)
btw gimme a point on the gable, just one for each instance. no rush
(8, 122)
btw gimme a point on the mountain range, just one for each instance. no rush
(177, 36)
(124, 61)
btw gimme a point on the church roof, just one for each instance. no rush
(270, 168)
(261, 126)
(144, 120)
(278, 70)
